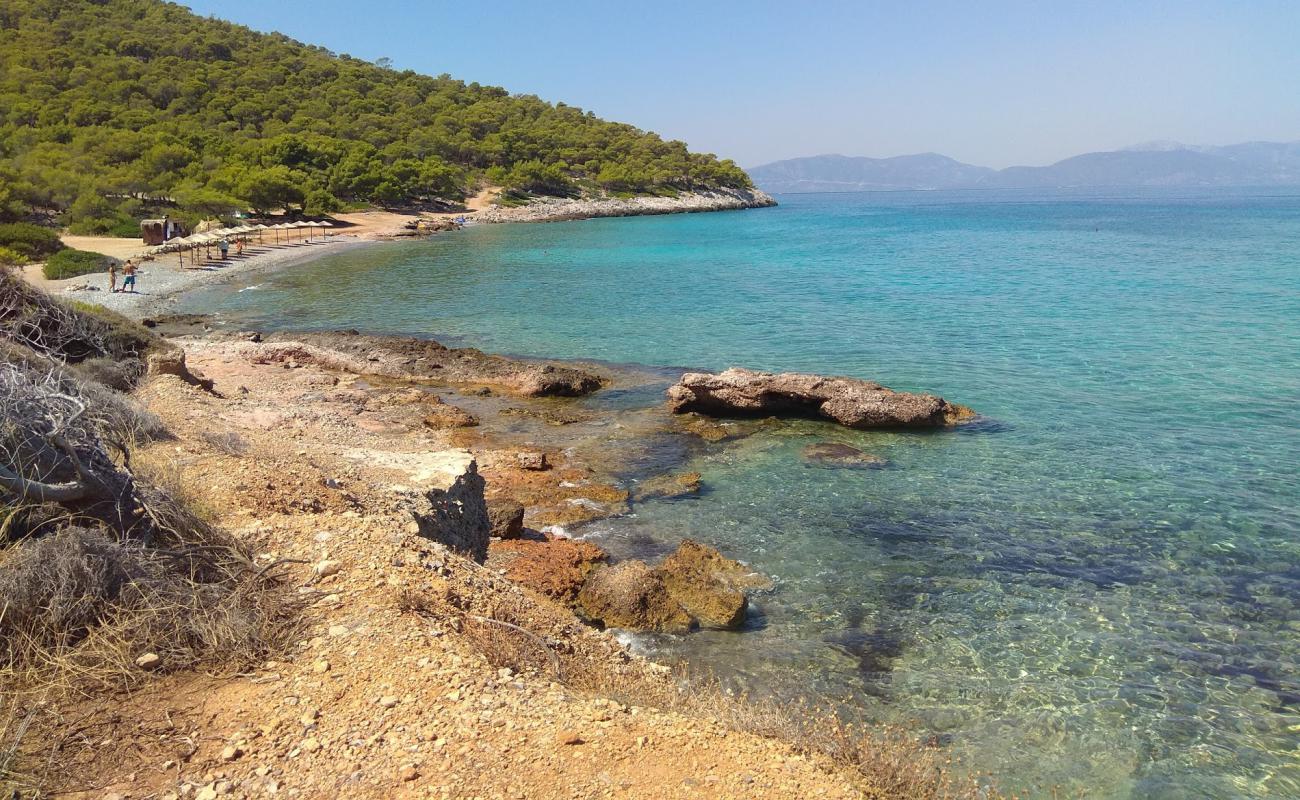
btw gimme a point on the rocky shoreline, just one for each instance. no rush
(555, 209)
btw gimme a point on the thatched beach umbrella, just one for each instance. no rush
(188, 243)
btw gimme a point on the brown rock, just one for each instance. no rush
(708, 585)
(555, 567)
(632, 595)
(506, 518)
(549, 380)
(834, 455)
(532, 460)
(444, 415)
(380, 427)
(850, 402)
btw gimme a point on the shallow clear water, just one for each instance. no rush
(1098, 589)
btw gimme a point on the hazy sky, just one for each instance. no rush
(991, 83)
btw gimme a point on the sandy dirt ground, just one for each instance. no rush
(391, 690)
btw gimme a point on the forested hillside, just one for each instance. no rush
(110, 106)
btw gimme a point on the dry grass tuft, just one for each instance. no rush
(228, 442)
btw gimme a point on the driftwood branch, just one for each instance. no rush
(67, 492)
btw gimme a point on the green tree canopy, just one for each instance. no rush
(143, 99)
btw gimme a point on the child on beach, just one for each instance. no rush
(239, 247)
(112, 277)
(128, 276)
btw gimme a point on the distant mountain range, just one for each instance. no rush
(1150, 164)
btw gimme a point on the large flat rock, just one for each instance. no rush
(849, 401)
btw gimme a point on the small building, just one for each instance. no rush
(157, 231)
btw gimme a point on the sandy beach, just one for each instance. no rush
(162, 281)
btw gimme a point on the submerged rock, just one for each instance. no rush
(850, 402)
(667, 486)
(833, 455)
(632, 595)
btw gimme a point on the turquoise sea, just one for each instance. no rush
(1096, 588)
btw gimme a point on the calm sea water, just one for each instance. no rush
(1098, 589)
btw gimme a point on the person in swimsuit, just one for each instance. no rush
(128, 276)
(112, 277)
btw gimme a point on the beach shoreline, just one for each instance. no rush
(162, 285)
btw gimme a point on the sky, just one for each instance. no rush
(994, 83)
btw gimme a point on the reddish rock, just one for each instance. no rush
(532, 460)
(554, 567)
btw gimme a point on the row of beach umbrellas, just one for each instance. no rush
(208, 238)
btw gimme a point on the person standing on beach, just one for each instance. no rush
(224, 247)
(239, 247)
(128, 276)
(112, 277)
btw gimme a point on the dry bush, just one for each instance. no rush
(67, 332)
(119, 375)
(50, 446)
(77, 608)
(498, 636)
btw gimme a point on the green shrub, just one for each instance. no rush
(28, 240)
(320, 201)
(70, 263)
(123, 337)
(10, 256)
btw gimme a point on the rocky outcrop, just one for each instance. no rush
(694, 586)
(833, 455)
(556, 209)
(170, 360)
(632, 595)
(553, 566)
(711, 587)
(506, 518)
(422, 359)
(458, 515)
(850, 402)
(442, 415)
